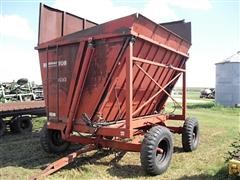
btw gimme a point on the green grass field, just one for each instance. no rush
(21, 156)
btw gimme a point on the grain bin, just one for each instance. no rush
(228, 81)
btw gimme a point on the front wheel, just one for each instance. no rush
(157, 150)
(52, 142)
(190, 134)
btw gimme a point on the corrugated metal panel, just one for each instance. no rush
(104, 91)
(54, 23)
(228, 83)
(181, 28)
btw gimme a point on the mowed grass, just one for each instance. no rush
(21, 156)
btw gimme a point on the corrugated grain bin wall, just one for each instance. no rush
(228, 81)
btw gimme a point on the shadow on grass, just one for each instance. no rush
(126, 171)
(222, 174)
(134, 171)
(90, 159)
(24, 150)
(178, 150)
(115, 169)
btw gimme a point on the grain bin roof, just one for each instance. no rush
(235, 58)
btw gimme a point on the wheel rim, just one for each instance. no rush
(162, 151)
(57, 138)
(24, 124)
(195, 135)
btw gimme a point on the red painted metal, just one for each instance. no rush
(11, 106)
(119, 70)
(112, 79)
(54, 23)
(20, 108)
(79, 89)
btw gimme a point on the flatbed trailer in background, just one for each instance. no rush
(17, 116)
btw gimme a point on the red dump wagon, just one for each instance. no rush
(106, 86)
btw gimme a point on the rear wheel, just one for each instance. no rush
(21, 124)
(2, 127)
(156, 151)
(52, 142)
(190, 135)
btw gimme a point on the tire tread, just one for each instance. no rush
(2, 127)
(188, 127)
(15, 125)
(148, 145)
(46, 142)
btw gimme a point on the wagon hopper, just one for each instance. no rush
(106, 86)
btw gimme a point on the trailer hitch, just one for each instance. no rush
(89, 123)
(55, 166)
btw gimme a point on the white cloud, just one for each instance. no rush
(97, 11)
(105, 10)
(17, 40)
(158, 11)
(15, 26)
(19, 62)
(191, 4)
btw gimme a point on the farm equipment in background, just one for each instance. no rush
(17, 116)
(208, 93)
(22, 90)
(106, 86)
(19, 102)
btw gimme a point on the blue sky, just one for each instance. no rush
(215, 31)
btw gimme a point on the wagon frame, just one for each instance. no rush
(131, 123)
(124, 134)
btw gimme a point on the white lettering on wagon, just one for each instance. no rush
(62, 79)
(52, 114)
(122, 133)
(53, 64)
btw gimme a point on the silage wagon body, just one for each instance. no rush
(110, 82)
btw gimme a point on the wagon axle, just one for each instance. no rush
(159, 150)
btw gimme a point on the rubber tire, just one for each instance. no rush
(148, 156)
(21, 124)
(2, 127)
(52, 142)
(190, 135)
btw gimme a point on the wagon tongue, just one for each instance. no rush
(55, 166)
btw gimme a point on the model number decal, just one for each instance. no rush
(55, 64)
(62, 79)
